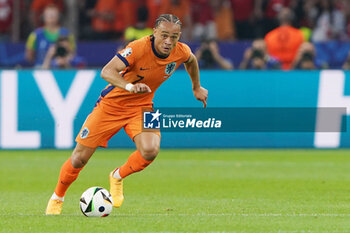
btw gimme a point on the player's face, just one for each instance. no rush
(166, 35)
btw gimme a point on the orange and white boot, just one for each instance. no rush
(54, 207)
(116, 190)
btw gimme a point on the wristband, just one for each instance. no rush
(129, 86)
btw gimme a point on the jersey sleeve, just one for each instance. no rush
(186, 53)
(129, 54)
(30, 44)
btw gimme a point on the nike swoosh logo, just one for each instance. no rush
(144, 68)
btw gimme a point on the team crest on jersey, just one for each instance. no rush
(169, 69)
(126, 52)
(84, 133)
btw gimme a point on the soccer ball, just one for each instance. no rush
(96, 202)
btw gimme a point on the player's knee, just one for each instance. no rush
(149, 152)
(81, 155)
(78, 159)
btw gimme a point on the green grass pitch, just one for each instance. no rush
(186, 191)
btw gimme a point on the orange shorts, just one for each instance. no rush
(100, 126)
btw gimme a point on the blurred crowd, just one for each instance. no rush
(320, 20)
(282, 30)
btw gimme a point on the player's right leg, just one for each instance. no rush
(97, 129)
(69, 173)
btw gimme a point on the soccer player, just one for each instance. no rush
(134, 74)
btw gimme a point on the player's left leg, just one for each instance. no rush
(147, 144)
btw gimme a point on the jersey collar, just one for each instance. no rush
(155, 52)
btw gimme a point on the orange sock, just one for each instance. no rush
(134, 164)
(68, 174)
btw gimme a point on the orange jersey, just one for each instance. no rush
(144, 65)
(283, 43)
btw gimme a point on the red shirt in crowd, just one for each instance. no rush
(6, 9)
(242, 9)
(202, 12)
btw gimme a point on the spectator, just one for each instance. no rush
(256, 58)
(103, 19)
(153, 11)
(13, 13)
(301, 11)
(224, 20)
(284, 41)
(330, 22)
(346, 8)
(303, 20)
(61, 55)
(40, 40)
(86, 9)
(271, 9)
(209, 57)
(180, 8)
(140, 30)
(6, 10)
(245, 14)
(37, 8)
(203, 20)
(305, 58)
(125, 15)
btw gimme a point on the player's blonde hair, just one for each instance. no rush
(167, 18)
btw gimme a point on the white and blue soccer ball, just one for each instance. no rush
(96, 202)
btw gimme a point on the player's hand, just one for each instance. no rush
(140, 88)
(201, 94)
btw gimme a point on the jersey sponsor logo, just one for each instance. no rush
(126, 52)
(170, 68)
(84, 133)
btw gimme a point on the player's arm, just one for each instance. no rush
(192, 68)
(110, 73)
